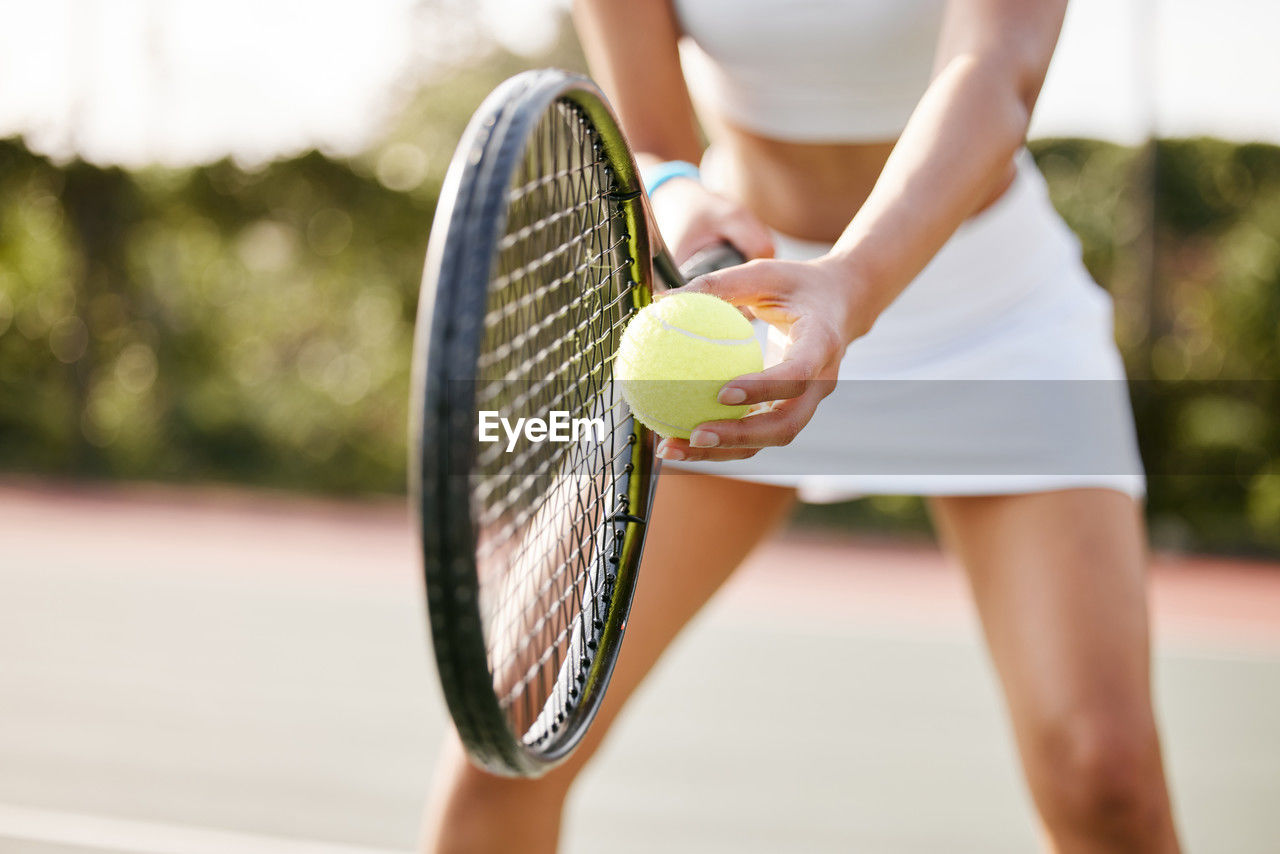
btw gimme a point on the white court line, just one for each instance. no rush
(101, 833)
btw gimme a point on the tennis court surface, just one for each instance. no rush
(188, 672)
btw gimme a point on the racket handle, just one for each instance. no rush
(711, 259)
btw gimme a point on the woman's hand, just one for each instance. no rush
(692, 218)
(821, 307)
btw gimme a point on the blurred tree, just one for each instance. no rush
(255, 325)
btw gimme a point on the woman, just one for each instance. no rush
(870, 154)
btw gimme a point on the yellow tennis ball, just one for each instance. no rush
(675, 356)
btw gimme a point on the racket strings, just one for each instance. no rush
(558, 300)
(515, 499)
(546, 354)
(526, 301)
(544, 614)
(535, 390)
(579, 500)
(571, 596)
(582, 509)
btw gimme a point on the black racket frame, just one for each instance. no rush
(469, 221)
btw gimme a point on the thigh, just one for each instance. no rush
(1059, 582)
(702, 527)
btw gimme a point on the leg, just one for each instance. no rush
(474, 812)
(1058, 578)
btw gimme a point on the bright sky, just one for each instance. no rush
(1184, 67)
(179, 81)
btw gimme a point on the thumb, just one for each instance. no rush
(745, 284)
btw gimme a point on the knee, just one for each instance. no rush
(467, 803)
(481, 790)
(1101, 776)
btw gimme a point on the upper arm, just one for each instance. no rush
(1017, 37)
(632, 50)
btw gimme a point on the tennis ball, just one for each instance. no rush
(675, 356)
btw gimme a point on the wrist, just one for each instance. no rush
(864, 287)
(654, 175)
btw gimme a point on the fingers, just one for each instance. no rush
(694, 218)
(813, 348)
(794, 386)
(741, 439)
(742, 285)
(677, 450)
(775, 427)
(748, 235)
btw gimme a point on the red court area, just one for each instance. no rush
(209, 669)
(912, 586)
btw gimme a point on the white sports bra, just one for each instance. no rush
(810, 70)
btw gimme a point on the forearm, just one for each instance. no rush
(954, 155)
(631, 48)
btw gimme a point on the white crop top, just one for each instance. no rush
(810, 70)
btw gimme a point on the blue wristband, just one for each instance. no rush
(655, 176)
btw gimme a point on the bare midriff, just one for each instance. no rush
(805, 190)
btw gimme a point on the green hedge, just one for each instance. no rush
(254, 326)
(210, 323)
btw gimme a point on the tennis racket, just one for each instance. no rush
(539, 255)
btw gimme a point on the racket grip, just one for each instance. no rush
(711, 259)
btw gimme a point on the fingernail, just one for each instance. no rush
(731, 396)
(667, 452)
(703, 439)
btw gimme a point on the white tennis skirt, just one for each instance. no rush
(995, 371)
